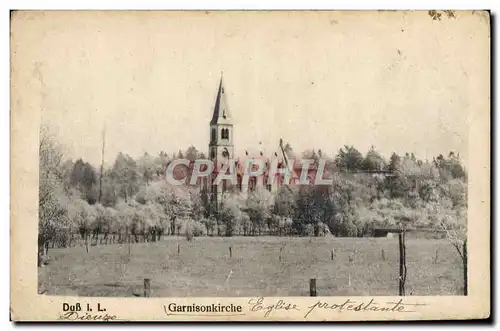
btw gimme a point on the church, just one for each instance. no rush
(221, 152)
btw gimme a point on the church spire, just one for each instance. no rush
(221, 113)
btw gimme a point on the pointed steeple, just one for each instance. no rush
(221, 113)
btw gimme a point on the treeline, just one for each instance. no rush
(131, 198)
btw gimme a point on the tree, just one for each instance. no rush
(52, 216)
(230, 215)
(456, 191)
(197, 204)
(349, 159)
(313, 208)
(105, 220)
(125, 215)
(178, 206)
(373, 161)
(126, 176)
(394, 162)
(258, 207)
(65, 170)
(456, 233)
(284, 202)
(192, 153)
(83, 217)
(146, 168)
(174, 201)
(450, 167)
(83, 177)
(134, 199)
(209, 224)
(161, 164)
(110, 190)
(151, 221)
(111, 222)
(346, 195)
(288, 150)
(208, 204)
(100, 224)
(404, 182)
(245, 224)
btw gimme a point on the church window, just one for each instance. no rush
(225, 134)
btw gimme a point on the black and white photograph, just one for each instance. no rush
(255, 155)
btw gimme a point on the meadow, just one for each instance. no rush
(203, 267)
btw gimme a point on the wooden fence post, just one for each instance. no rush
(332, 254)
(230, 252)
(127, 238)
(178, 249)
(86, 242)
(465, 261)
(312, 287)
(402, 263)
(281, 252)
(147, 287)
(129, 245)
(383, 255)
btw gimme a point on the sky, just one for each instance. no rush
(398, 81)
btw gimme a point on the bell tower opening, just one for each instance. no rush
(221, 128)
(221, 148)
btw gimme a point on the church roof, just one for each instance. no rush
(221, 113)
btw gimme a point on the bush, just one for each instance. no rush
(192, 228)
(198, 229)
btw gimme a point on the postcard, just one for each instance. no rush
(250, 165)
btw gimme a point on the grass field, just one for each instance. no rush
(204, 268)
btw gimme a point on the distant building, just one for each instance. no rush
(221, 152)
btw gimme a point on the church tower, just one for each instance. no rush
(221, 129)
(220, 147)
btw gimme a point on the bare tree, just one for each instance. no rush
(458, 238)
(52, 212)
